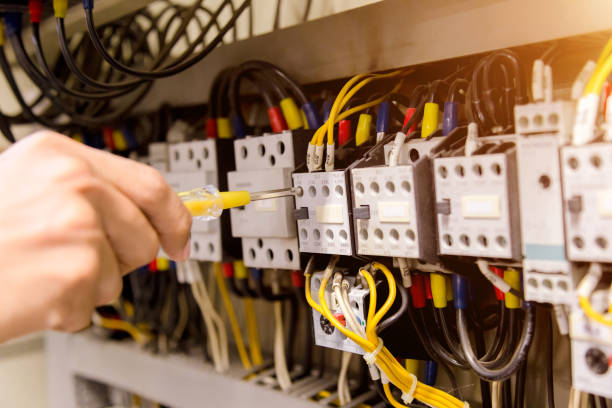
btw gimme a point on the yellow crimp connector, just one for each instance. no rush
(60, 7)
(224, 128)
(1, 33)
(291, 113)
(119, 140)
(430, 119)
(304, 119)
(513, 278)
(438, 289)
(240, 271)
(163, 264)
(362, 134)
(207, 202)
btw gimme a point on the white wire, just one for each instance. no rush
(213, 340)
(280, 362)
(344, 392)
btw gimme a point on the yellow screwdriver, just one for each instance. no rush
(207, 203)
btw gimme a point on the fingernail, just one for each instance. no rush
(187, 250)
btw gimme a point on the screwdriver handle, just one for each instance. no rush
(207, 203)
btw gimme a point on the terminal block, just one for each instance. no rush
(545, 117)
(591, 348)
(392, 211)
(195, 164)
(587, 198)
(322, 213)
(477, 206)
(267, 228)
(547, 274)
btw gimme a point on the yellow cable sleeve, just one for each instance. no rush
(231, 314)
(1, 33)
(251, 321)
(304, 119)
(431, 117)
(291, 113)
(60, 7)
(240, 271)
(438, 289)
(224, 128)
(412, 366)
(513, 278)
(232, 199)
(364, 125)
(449, 290)
(588, 310)
(119, 140)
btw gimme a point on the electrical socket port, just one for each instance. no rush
(591, 348)
(587, 199)
(475, 215)
(326, 335)
(275, 253)
(413, 150)
(548, 281)
(399, 221)
(327, 226)
(199, 155)
(207, 246)
(277, 150)
(545, 117)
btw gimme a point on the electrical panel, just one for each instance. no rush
(587, 199)
(322, 213)
(393, 211)
(546, 272)
(477, 205)
(413, 150)
(267, 228)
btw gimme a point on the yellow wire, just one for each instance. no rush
(605, 52)
(251, 321)
(391, 398)
(231, 314)
(385, 360)
(139, 336)
(585, 304)
(599, 77)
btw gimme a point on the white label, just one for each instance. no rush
(394, 212)
(480, 206)
(265, 205)
(604, 203)
(330, 214)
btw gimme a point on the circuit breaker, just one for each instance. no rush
(477, 205)
(267, 228)
(587, 198)
(322, 213)
(195, 164)
(392, 211)
(546, 271)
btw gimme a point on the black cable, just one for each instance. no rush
(277, 15)
(519, 387)
(485, 388)
(550, 384)
(173, 67)
(55, 83)
(391, 320)
(500, 334)
(518, 357)
(307, 360)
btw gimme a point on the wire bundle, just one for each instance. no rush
(390, 369)
(96, 70)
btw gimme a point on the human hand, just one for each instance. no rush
(73, 221)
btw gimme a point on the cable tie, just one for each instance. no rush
(498, 282)
(383, 377)
(408, 397)
(370, 358)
